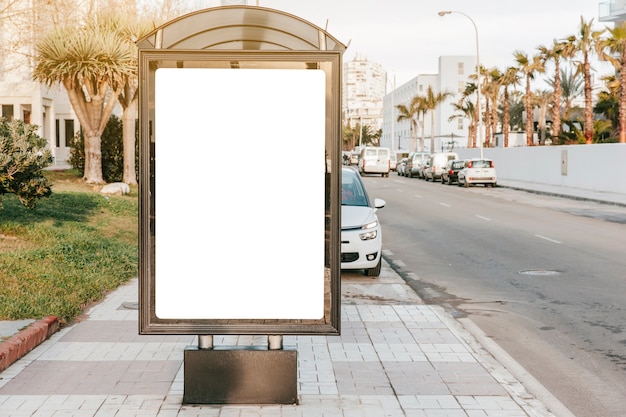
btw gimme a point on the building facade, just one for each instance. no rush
(20, 97)
(612, 11)
(446, 132)
(363, 90)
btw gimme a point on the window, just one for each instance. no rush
(57, 124)
(459, 124)
(460, 68)
(7, 111)
(460, 86)
(69, 131)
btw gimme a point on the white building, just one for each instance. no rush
(363, 91)
(612, 11)
(20, 97)
(454, 73)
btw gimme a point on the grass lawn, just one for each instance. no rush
(70, 251)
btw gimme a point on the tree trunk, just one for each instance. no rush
(588, 127)
(129, 139)
(556, 104)
(506, 120)
(529, 113)
(93, 159)
(622, 100)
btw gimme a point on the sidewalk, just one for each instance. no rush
(566, 192)
(395, 357)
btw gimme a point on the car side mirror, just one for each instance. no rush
(379, 203)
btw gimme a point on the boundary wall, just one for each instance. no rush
(598, 167)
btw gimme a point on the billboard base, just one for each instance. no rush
(240, 376)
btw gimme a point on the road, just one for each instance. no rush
(542, 276)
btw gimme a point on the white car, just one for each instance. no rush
(361, 234)
(478, 171)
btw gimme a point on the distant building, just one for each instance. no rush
(363, 91)
(454, 73)
(612, 11)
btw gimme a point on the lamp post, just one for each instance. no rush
(480, 117)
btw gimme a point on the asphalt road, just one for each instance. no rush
(544, 277)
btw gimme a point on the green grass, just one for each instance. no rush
(68, 252)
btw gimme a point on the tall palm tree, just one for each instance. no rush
(613, 49)
(492, 85)
(541, 99)
(571, 87)
(528, 66)
(463, 104)
(559, 50)
(509, 78)
(585, 44)
(92, 64)
(430, 103)
(411, 113)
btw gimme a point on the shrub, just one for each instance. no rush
(112, 151)
(23, 156)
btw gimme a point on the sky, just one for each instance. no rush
(407, 37)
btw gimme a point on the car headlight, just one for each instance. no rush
(371, 231)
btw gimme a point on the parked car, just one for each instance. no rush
(354, 159)
(451, 173)
(374, 160)
(415, 163)
(437, 164)
(401, 168)
(361, 234)
(478, 171)
(393, 162)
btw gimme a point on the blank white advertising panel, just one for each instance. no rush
(239, 193)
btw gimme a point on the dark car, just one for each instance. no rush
(451, 173)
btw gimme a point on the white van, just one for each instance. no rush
(437, 164)
(374, 160)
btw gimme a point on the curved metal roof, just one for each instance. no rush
(240, 28)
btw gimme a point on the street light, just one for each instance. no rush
(480, 117)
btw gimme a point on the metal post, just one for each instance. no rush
(275, 342)
(205, 341)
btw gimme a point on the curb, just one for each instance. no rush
(26, 340)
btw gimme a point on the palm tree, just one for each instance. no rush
(92, 64)
(467, 109)
(528, 66)
(559, 50)
(571, 87)
(430, 103)
(510, 77)
(492, 85)
(585, 43)
(541, 99)
(411, 114)
(616, 46)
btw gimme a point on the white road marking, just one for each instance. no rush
(445, 205)
(548, 239)
(483, 218)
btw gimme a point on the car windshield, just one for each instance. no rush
(352, 192)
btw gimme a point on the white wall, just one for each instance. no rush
(600, 167)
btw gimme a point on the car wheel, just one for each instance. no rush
(374, 272)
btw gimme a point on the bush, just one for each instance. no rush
(112, 147)
(23, 156)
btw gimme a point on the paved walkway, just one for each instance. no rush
(395, 357)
